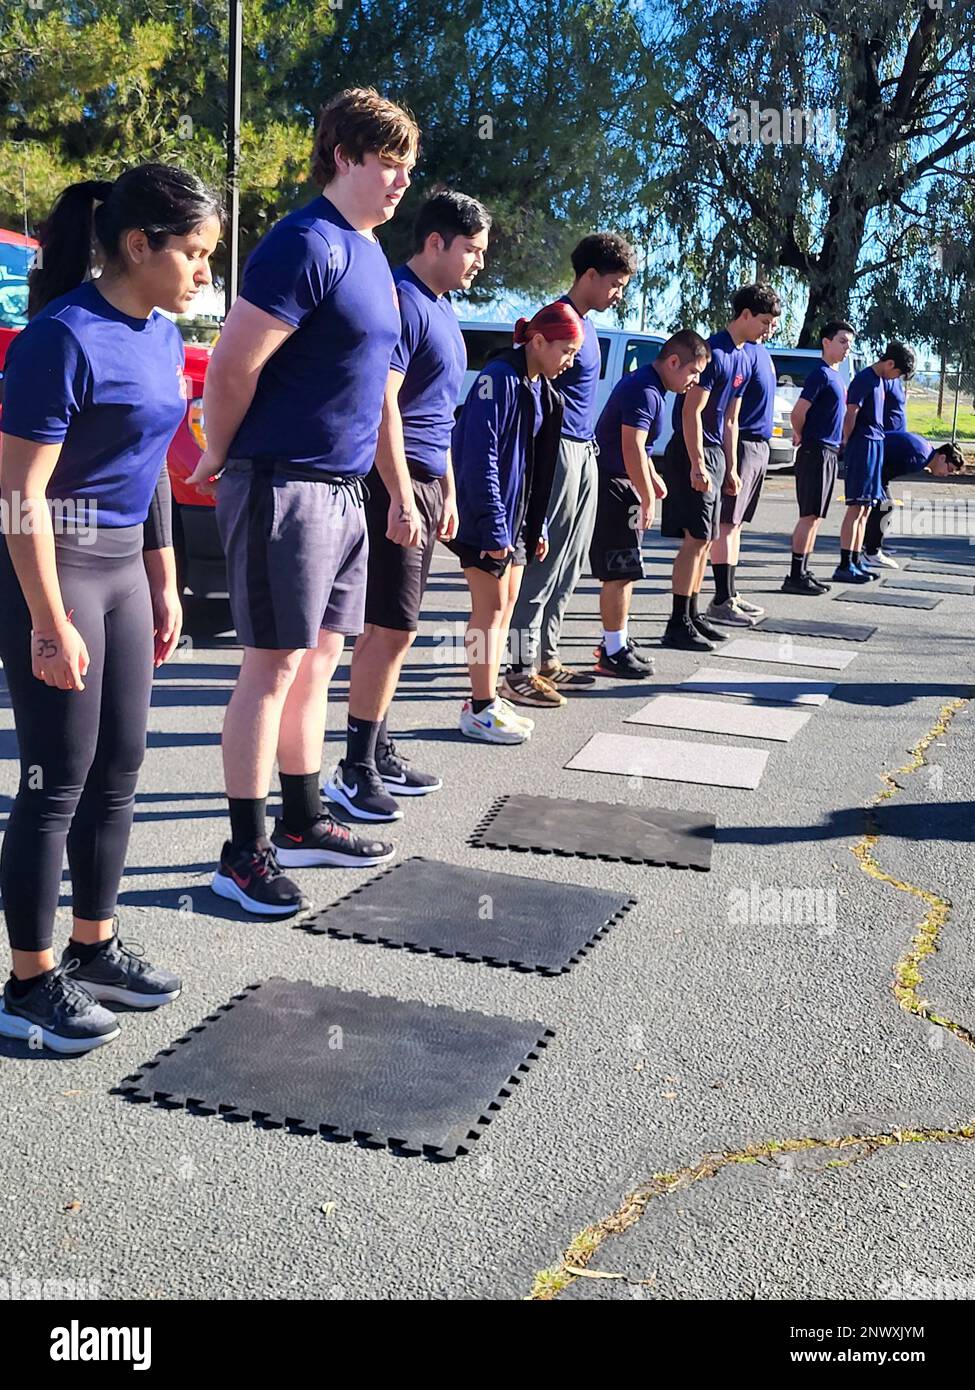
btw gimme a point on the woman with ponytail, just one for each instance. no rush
(504, 448)
(94, 392)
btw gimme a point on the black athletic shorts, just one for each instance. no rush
(752, 466)
(471, 559)
(816, 467)
(398, 574)
(686, 511)
(615, 550)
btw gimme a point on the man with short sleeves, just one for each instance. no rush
(817, 429)
(426, 375)
(905, 454)
(292, 404)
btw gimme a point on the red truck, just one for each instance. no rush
(199, 557)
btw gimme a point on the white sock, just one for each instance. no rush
(614, 641)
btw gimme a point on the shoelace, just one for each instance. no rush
(394, 755)
(76, 997)
(334, 827)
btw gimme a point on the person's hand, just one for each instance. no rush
(59, 656)
(541, 549)
(167, 623)
(205, 476)
(796, 439)
(449, 520)
(501, 554)
(646, 515)
(700, 480)
(403, 526)
(658, 485)
(732, 483)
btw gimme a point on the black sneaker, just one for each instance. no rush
(252, 877)
(120, 974)
(565, 679)
(57, 1012)
(685, 637)
(359, 789)
(624, 664)
(393, 767)
(327, 841)
(805, 584)
(708, 630)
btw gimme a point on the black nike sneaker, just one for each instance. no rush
(708, 630)
(327, 841)
(625, 664)
(682, 635)
(252, 877)
(58, 1012)
(401, 779)
(120, 974)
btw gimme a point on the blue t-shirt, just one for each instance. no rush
(825, 390)
(758, 397)
(867, 392)
(637, 400)
(895, 405)
(905, 452)
(319, 399)
(109, 389)
(579, 384)
(432, 356)
(724, 377)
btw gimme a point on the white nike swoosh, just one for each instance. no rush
(400, 778)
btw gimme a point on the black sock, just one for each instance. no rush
(855, 557)
(479, 706)
(248, 820)
(798, 566)
(19, 988)
(732, 580)
(722, 586)
(85, 952)
(845, 559)
(382, 738)
(360, 741)
(692, 607)
(681, 608)
(301, 799)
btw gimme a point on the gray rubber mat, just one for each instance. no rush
(788, 690)
(927, 585)
(889, 598)
(785, 652)
(671, 760)
(817, 627)
(598, 830)
(721, 717)
(945, 567)
(423, 1078)
(475, 915)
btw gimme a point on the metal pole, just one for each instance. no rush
(234, 63)
(954, 418)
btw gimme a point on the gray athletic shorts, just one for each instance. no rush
(753, 455)
(297, 552)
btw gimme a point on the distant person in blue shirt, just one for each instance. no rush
(626, 432)
(863, 435)
(292, 407)
(602, 264)
(753, 307)
(505, 449)
(905, 455)
(425, 379)
(895, 406)
(817, 431)
(89, 604)
(701, 464)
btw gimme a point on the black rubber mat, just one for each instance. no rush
(890, 598)
(476, 915)
(926, 583)
(948, 568)
(816, 627)
(418, 1077)
(598, 830)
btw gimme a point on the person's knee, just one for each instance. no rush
(269, 672)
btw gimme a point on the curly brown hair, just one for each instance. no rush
(362, 122)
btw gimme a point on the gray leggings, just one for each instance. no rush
(80, 751)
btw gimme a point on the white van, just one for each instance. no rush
(623, 352)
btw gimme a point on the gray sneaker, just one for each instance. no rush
(728, 615)
(750, 610)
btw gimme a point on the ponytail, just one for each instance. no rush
(158, 198)
(557, 322)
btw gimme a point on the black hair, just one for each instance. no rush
(757, 299)
(902, 357)
(451, 214)
(605, 253)
(835, 326)
(686, 346)
(953, 456)
(158, 198)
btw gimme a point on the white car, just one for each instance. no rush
(623, 352)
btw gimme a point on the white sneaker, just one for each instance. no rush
(750, 610)
(513, 712)
(879, 561)
(728, 615)
(492, 725)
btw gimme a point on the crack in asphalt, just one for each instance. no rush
(549, 1283)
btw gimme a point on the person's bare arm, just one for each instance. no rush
(849, 421)
(732, 481)
(449, 519)
(695, 399)
(403, 522)
(249, 339)
(797, 419)
(639, 471)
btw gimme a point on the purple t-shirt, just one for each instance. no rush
(825, 390)
(895, 406)
(637, 400)
(724, 377)
(867, 392)
(319, 399)
(758, 397)
(432, 356)
(579, 384)
(109, 389)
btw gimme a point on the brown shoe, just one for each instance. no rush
(562, 678)
(523, 688)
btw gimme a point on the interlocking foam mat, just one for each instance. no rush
(817, 627)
